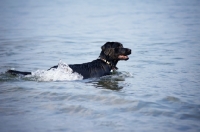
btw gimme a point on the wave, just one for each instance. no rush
(62, 73)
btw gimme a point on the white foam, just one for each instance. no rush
(62, 73)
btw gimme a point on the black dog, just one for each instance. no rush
(111, 53)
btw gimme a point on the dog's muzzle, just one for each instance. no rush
(124, 56)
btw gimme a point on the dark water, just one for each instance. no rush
(157, 89)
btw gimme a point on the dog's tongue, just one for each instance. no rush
(123, 57)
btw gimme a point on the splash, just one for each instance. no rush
(62, 73)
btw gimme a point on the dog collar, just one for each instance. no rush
(109, 63)
(105, 61)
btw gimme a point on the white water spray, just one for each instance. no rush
(62, 73)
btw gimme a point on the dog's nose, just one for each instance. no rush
(129, 50)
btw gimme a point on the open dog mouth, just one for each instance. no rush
(123, 57)
(124, 54)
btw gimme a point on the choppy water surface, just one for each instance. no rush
(157, 89)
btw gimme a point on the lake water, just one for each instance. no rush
(157, 89)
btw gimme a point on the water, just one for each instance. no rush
(157, 89)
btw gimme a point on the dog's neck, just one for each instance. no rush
(109, 63)
(105, 61)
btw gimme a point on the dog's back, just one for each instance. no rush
(96, 68)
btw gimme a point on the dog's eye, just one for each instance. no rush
(120, 46)
(116, 50)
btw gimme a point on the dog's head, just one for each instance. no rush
(117, 53)
(113, 52)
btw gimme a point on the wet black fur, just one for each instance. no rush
(97, 68)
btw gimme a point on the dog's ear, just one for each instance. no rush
(106, 45)
(103, 47)
(108, 51)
